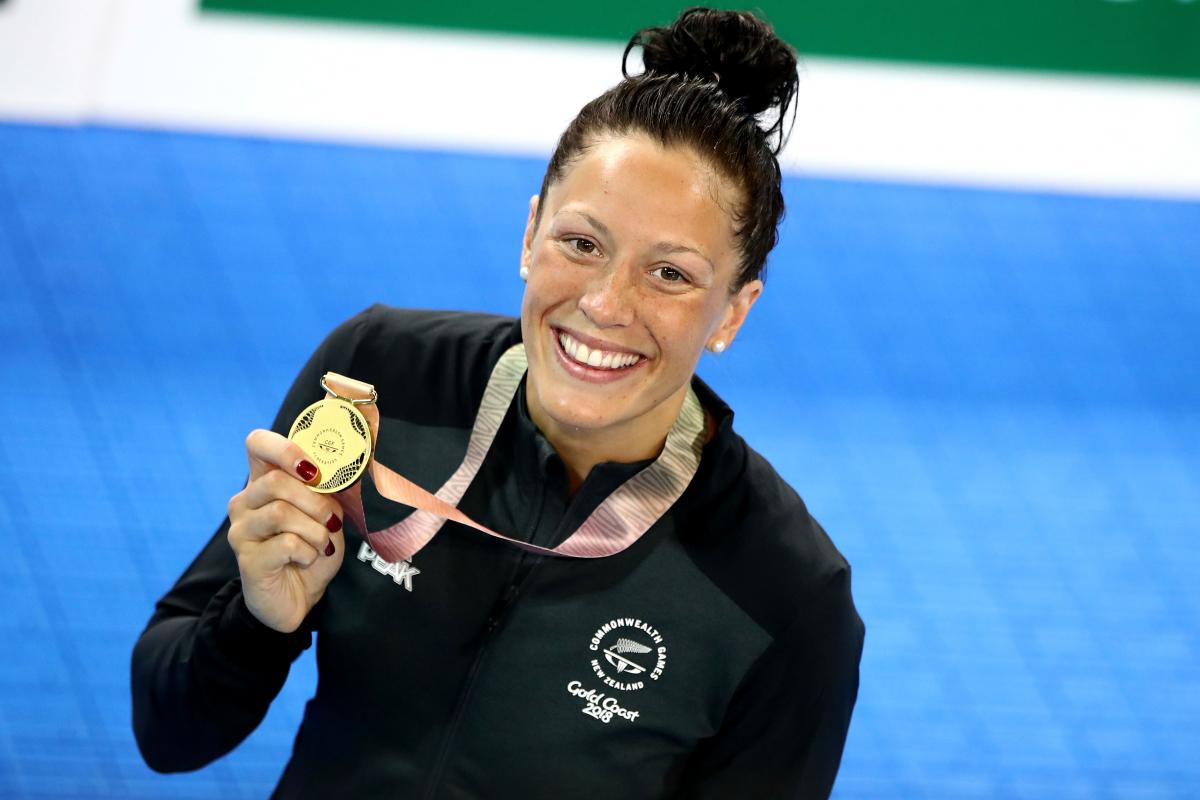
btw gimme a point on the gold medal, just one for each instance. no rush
(335, 435)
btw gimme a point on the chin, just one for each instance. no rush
(580, 409)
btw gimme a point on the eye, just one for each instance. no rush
(584, 247)
(670, 275)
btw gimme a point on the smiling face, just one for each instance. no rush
(630, 266)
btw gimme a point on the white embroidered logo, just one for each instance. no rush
(599, 705)
(613, 656)
(633, 652)
(402, 572)
(636, 651)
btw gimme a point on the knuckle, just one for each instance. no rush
(238, 502)
(293, 545)
(276, 481)
(275, 513)
(236, 537)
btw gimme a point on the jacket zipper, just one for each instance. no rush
(520, 576)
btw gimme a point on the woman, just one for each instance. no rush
(716, 655)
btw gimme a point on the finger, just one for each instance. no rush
(279, 517)
(267, 450)
(284, 549)
(280, 485)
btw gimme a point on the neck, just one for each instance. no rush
(630, 440)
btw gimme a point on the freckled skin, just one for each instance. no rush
(617, 284)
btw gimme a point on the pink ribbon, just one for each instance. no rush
(619, 521)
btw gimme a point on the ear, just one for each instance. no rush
(735, 313)
(527, 240)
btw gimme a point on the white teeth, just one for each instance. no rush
(595, 358)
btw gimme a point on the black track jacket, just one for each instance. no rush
(716, 657)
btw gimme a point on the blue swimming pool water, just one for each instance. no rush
(991, 399)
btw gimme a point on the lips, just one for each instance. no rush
(596, 357)
(576, 357)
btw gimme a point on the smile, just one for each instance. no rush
(595, 357)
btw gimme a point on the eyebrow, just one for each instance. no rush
(595, 223)
(662, 247)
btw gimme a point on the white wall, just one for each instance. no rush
(162, 63)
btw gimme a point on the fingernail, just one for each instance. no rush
(333, 524)
(306, 470)
(330, 549)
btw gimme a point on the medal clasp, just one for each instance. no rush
(356, 401)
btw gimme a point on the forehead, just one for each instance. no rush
(645, 187)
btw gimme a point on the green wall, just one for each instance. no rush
(1126, 37)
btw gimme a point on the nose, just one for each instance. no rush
(608, 300)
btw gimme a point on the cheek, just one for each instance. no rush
(681, 331)
(535, 291)
(553, 280)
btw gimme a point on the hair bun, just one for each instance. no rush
(749, 62)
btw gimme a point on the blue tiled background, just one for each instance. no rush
(991, 400)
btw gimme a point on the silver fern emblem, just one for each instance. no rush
(615, 656)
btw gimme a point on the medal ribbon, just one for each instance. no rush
(615, 524)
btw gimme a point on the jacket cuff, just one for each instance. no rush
(246, 642)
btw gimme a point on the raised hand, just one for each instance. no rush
(288, 538)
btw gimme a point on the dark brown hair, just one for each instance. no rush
(709, 78)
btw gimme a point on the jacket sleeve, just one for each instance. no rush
(205, 670)
(783, 733)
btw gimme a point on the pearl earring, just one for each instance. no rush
(718, 346)
(524, 273)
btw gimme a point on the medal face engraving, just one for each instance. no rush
(335, 435)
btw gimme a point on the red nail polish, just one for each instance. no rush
(306, 470)
(330, 549)
(333, 524)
